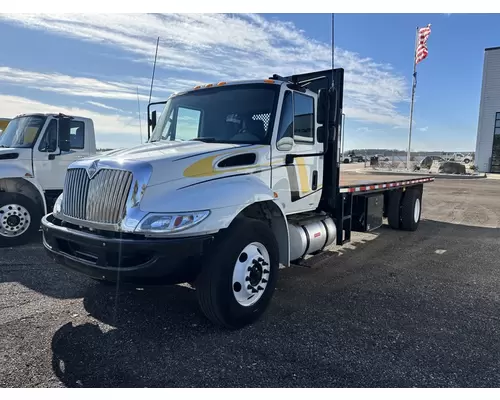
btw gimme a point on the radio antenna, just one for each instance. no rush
(333, 45)
(139, 113)
(154, 67)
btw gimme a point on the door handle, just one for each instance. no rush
(315, 180)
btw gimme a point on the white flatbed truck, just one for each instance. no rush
(236, 179)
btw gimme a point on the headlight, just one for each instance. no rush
(57, 205)
(167, 223)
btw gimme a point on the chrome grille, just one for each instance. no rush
(101, 199)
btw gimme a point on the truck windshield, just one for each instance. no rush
(225, 114)
(22, 131)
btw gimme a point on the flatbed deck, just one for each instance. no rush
(353, 182)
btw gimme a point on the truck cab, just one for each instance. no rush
(35, 152)
(236, 179)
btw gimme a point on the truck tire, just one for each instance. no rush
(19, 219)
(394, 209)
(411, 210)
(239, 275)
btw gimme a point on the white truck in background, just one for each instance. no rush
(35, 152)
(3, 124)
(236, 179)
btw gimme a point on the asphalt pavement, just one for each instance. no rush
(393, 309)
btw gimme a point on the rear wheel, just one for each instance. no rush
(19, 219)
(411, 209)
(394, 209)
(239, 277)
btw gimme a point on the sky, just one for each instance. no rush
(96, 65)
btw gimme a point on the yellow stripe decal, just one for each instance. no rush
(303, 178)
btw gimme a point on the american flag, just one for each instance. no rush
(422, 52)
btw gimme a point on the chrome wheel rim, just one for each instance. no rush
(416, 211)
(251, 274)
(14, 220)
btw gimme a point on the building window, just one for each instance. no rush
(495, 151)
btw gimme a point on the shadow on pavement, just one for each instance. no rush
(31, 267)
(406, 309)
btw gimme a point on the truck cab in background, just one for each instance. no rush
(35, 152)
(3, 124)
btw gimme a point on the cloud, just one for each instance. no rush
(100, 105)
(424, 129)
(225, 47)
(125, 89)
(110, 128)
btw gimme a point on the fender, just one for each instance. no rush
(237, 191)
(226, 199)
(11, 173)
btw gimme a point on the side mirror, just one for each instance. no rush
(322, 106)
(63, 134)
(285, 144)
(153, 120)
(322, 134)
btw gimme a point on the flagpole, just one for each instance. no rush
(413, 86)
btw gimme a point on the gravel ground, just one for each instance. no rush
(392, 309)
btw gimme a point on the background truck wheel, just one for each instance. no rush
(394, 209)
(239, 276)
(411, 209)
(19, 219)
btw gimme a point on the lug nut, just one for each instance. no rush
(264, 280)
(249, 287)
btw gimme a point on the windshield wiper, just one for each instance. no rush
(4, 146)
(205, 139)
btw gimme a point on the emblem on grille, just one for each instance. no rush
(92, 169)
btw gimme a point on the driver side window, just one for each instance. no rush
(49, 141)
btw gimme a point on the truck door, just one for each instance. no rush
(299, 184)
(49, 163)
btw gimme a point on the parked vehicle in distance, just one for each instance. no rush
(460, 157)
(428, 160)
(352, 157)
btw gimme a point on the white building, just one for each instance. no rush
(488, 131)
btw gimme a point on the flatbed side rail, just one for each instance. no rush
(383, 185)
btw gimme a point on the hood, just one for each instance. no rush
(190, 160)
(8, 153)
(151, 152)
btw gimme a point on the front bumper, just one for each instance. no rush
(129, 259)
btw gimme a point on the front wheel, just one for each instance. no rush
(19, 219)
(239, 277)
